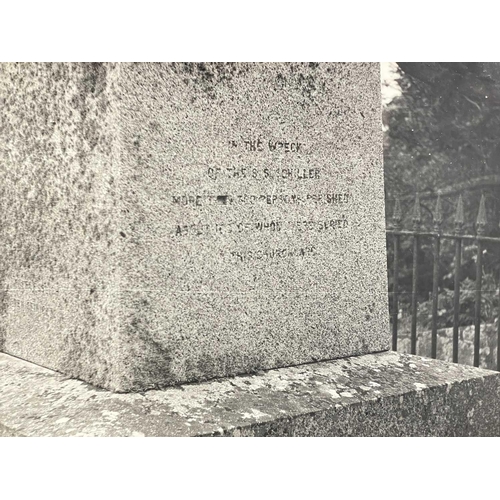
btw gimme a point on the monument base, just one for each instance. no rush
(384, 394)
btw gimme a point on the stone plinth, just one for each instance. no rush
(167, 223)
(385, 394)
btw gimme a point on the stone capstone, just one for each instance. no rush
(385, 394)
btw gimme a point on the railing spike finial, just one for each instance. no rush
(397, 216)
(481, 221)
(438, 214)
(417, 217)
(459, 216)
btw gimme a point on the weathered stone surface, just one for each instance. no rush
(60, 206)
(166, 223)
(385, 394)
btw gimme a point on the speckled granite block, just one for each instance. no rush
(384, 394)
(166, 223)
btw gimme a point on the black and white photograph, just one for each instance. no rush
(224, 233)
(255, 248)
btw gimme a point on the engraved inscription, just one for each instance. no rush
(272, 226)
(266, 199)
(273, 253)
(264, 173)
(330, 219)
(260, 145)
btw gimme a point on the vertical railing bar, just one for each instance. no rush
(395, 294)
(435, 291)
(477, 310)
(413, 347)
(459, 225)
(438, 219)
(417, 219)
(396, 221)
(456, 297)
(481, 223)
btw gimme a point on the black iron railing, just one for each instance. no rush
(437, 235)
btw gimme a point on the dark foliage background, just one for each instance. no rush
(442, 134)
